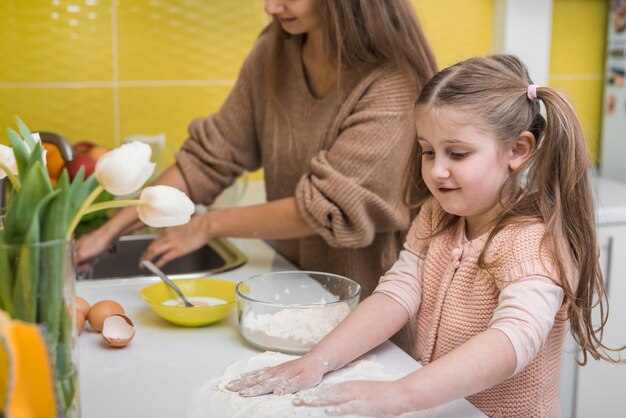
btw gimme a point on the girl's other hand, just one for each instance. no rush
(178, 241)
(289, 377)
(362, 397)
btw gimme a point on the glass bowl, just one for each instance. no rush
(291, 311)
(219, 295)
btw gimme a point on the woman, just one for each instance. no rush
(323, 103)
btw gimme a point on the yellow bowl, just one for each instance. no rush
(157, 293)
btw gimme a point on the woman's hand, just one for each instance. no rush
(177, 241)
(362, 398)
(92, 245)
(289, 377)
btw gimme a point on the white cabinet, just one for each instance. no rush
(598, 389)
(601, 386)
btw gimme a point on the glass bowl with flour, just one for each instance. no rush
(291, 311)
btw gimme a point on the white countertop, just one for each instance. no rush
(164, 366)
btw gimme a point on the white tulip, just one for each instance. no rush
(7, 157)
(37, 139)
(125, 169)
(164, 206)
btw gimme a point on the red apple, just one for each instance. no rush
(83, 147)
(78, 162)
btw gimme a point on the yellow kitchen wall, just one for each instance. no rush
(103, 70)
(577, 60)
(457, 29)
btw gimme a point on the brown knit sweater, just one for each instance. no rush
(459, 299)
(341, 156)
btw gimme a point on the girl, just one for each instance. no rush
(321, 104)
(502, 253)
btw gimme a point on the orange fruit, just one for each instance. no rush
(54, 161)
(98, 151)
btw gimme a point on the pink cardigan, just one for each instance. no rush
(439, 280)
(525, 311)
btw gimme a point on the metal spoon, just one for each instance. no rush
(154, 269)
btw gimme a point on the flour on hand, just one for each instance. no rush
(214, 400)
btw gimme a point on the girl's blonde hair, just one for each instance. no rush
(552, 187)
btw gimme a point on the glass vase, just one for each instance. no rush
(37, 285)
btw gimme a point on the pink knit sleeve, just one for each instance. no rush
(525, 313)
(403, 282)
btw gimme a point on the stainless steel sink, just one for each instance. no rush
(122, 260)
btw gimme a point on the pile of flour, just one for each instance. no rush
(214, 400)
(291, 329)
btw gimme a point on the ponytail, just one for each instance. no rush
(559, 177)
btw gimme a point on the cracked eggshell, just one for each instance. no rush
(118, 330)
(101, 311)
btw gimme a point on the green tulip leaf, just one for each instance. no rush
(54, 260)
(21, 151)
(26, 134)
(57, 217)
(80, 190)
(36, 185)
(6, 277)
(25, 288)
(37, 157)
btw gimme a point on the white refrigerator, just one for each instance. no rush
(613, 139)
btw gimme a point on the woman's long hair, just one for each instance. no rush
(360, 35)
(552, 187)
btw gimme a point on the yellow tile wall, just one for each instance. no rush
(457, 29)
(45, 41)
(185, 40)
(103, 70)
(77, 113)
(577, 60)
(167, 110)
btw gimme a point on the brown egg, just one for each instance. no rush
(101, 311)
(82, 306)
(80, 322)
(118, 330)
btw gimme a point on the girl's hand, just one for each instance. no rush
(177, 241)
(362, 398)
(289, 377)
